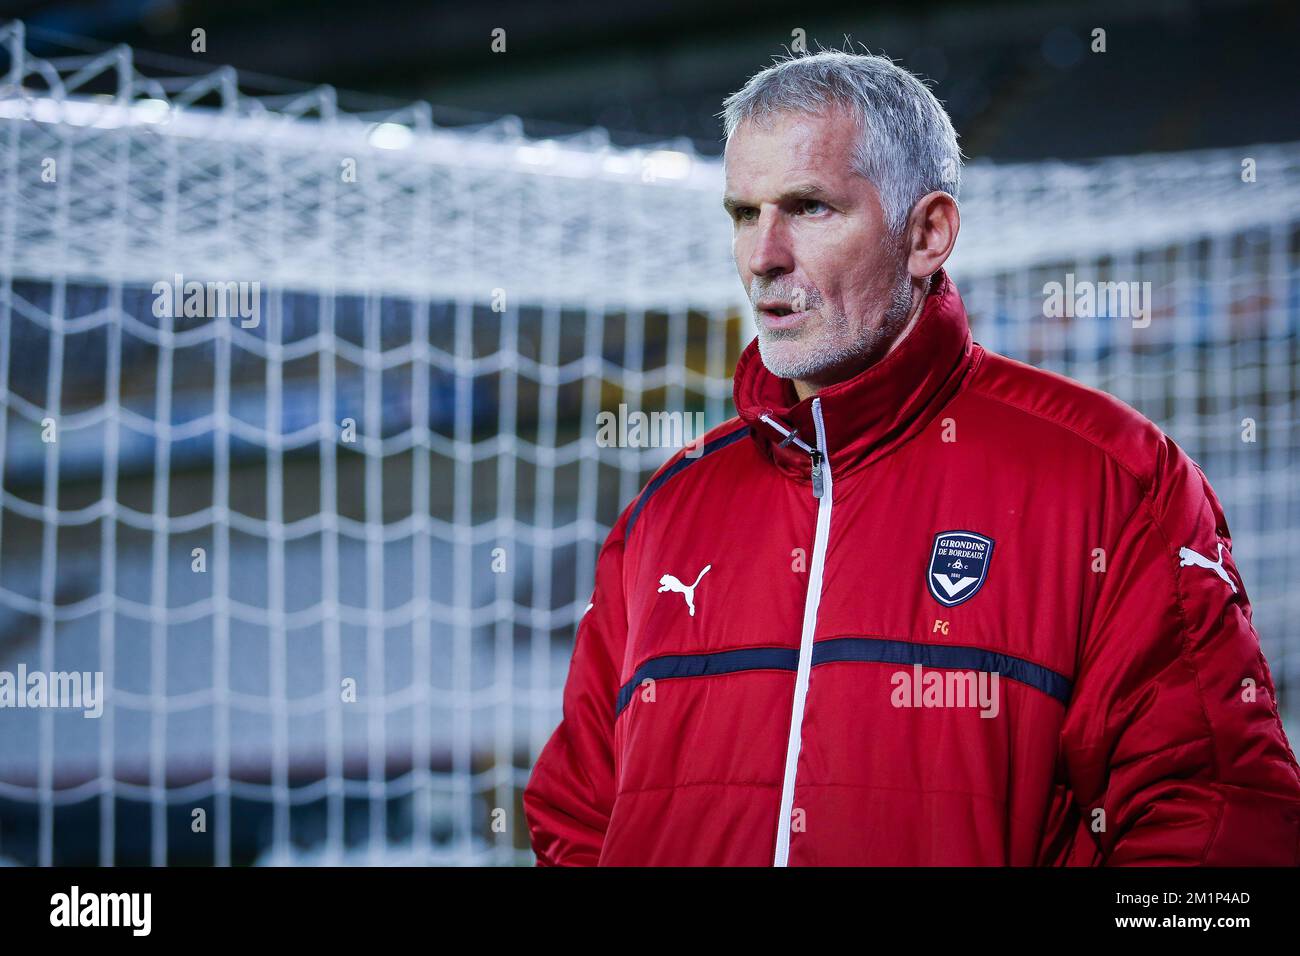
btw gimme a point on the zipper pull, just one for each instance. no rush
(818, 488)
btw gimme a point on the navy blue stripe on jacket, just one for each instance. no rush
(849, 649)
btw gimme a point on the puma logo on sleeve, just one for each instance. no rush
(1189, 557)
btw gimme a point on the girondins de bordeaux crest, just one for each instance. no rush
(959, 563)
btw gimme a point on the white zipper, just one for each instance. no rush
(821, 479)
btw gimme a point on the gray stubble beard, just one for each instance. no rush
(822, 356)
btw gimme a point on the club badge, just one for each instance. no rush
(959, 563)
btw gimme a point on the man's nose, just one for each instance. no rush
(771, 254)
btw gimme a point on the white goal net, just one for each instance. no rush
(327, 533)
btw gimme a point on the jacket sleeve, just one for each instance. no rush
(570, 793)
(1173, 729)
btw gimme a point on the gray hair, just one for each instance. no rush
(907, 146)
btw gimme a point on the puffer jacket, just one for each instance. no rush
(955, 610)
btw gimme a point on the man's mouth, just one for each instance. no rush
(779, 315)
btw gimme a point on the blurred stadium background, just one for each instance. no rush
(596, 221)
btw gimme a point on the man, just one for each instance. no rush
(958, 610)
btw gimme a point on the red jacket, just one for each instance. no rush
(971, 613)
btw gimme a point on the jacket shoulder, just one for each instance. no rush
(1114, 428)
(717, 440)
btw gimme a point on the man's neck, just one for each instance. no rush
(808, 389)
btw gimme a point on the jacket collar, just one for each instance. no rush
(869, 415)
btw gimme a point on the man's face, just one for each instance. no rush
(829, 285)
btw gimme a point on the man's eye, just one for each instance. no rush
(743, 214)
(804, 206)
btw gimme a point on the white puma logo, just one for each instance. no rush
(1187, 557)
(670, 583)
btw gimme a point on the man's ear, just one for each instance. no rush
(931, 233)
